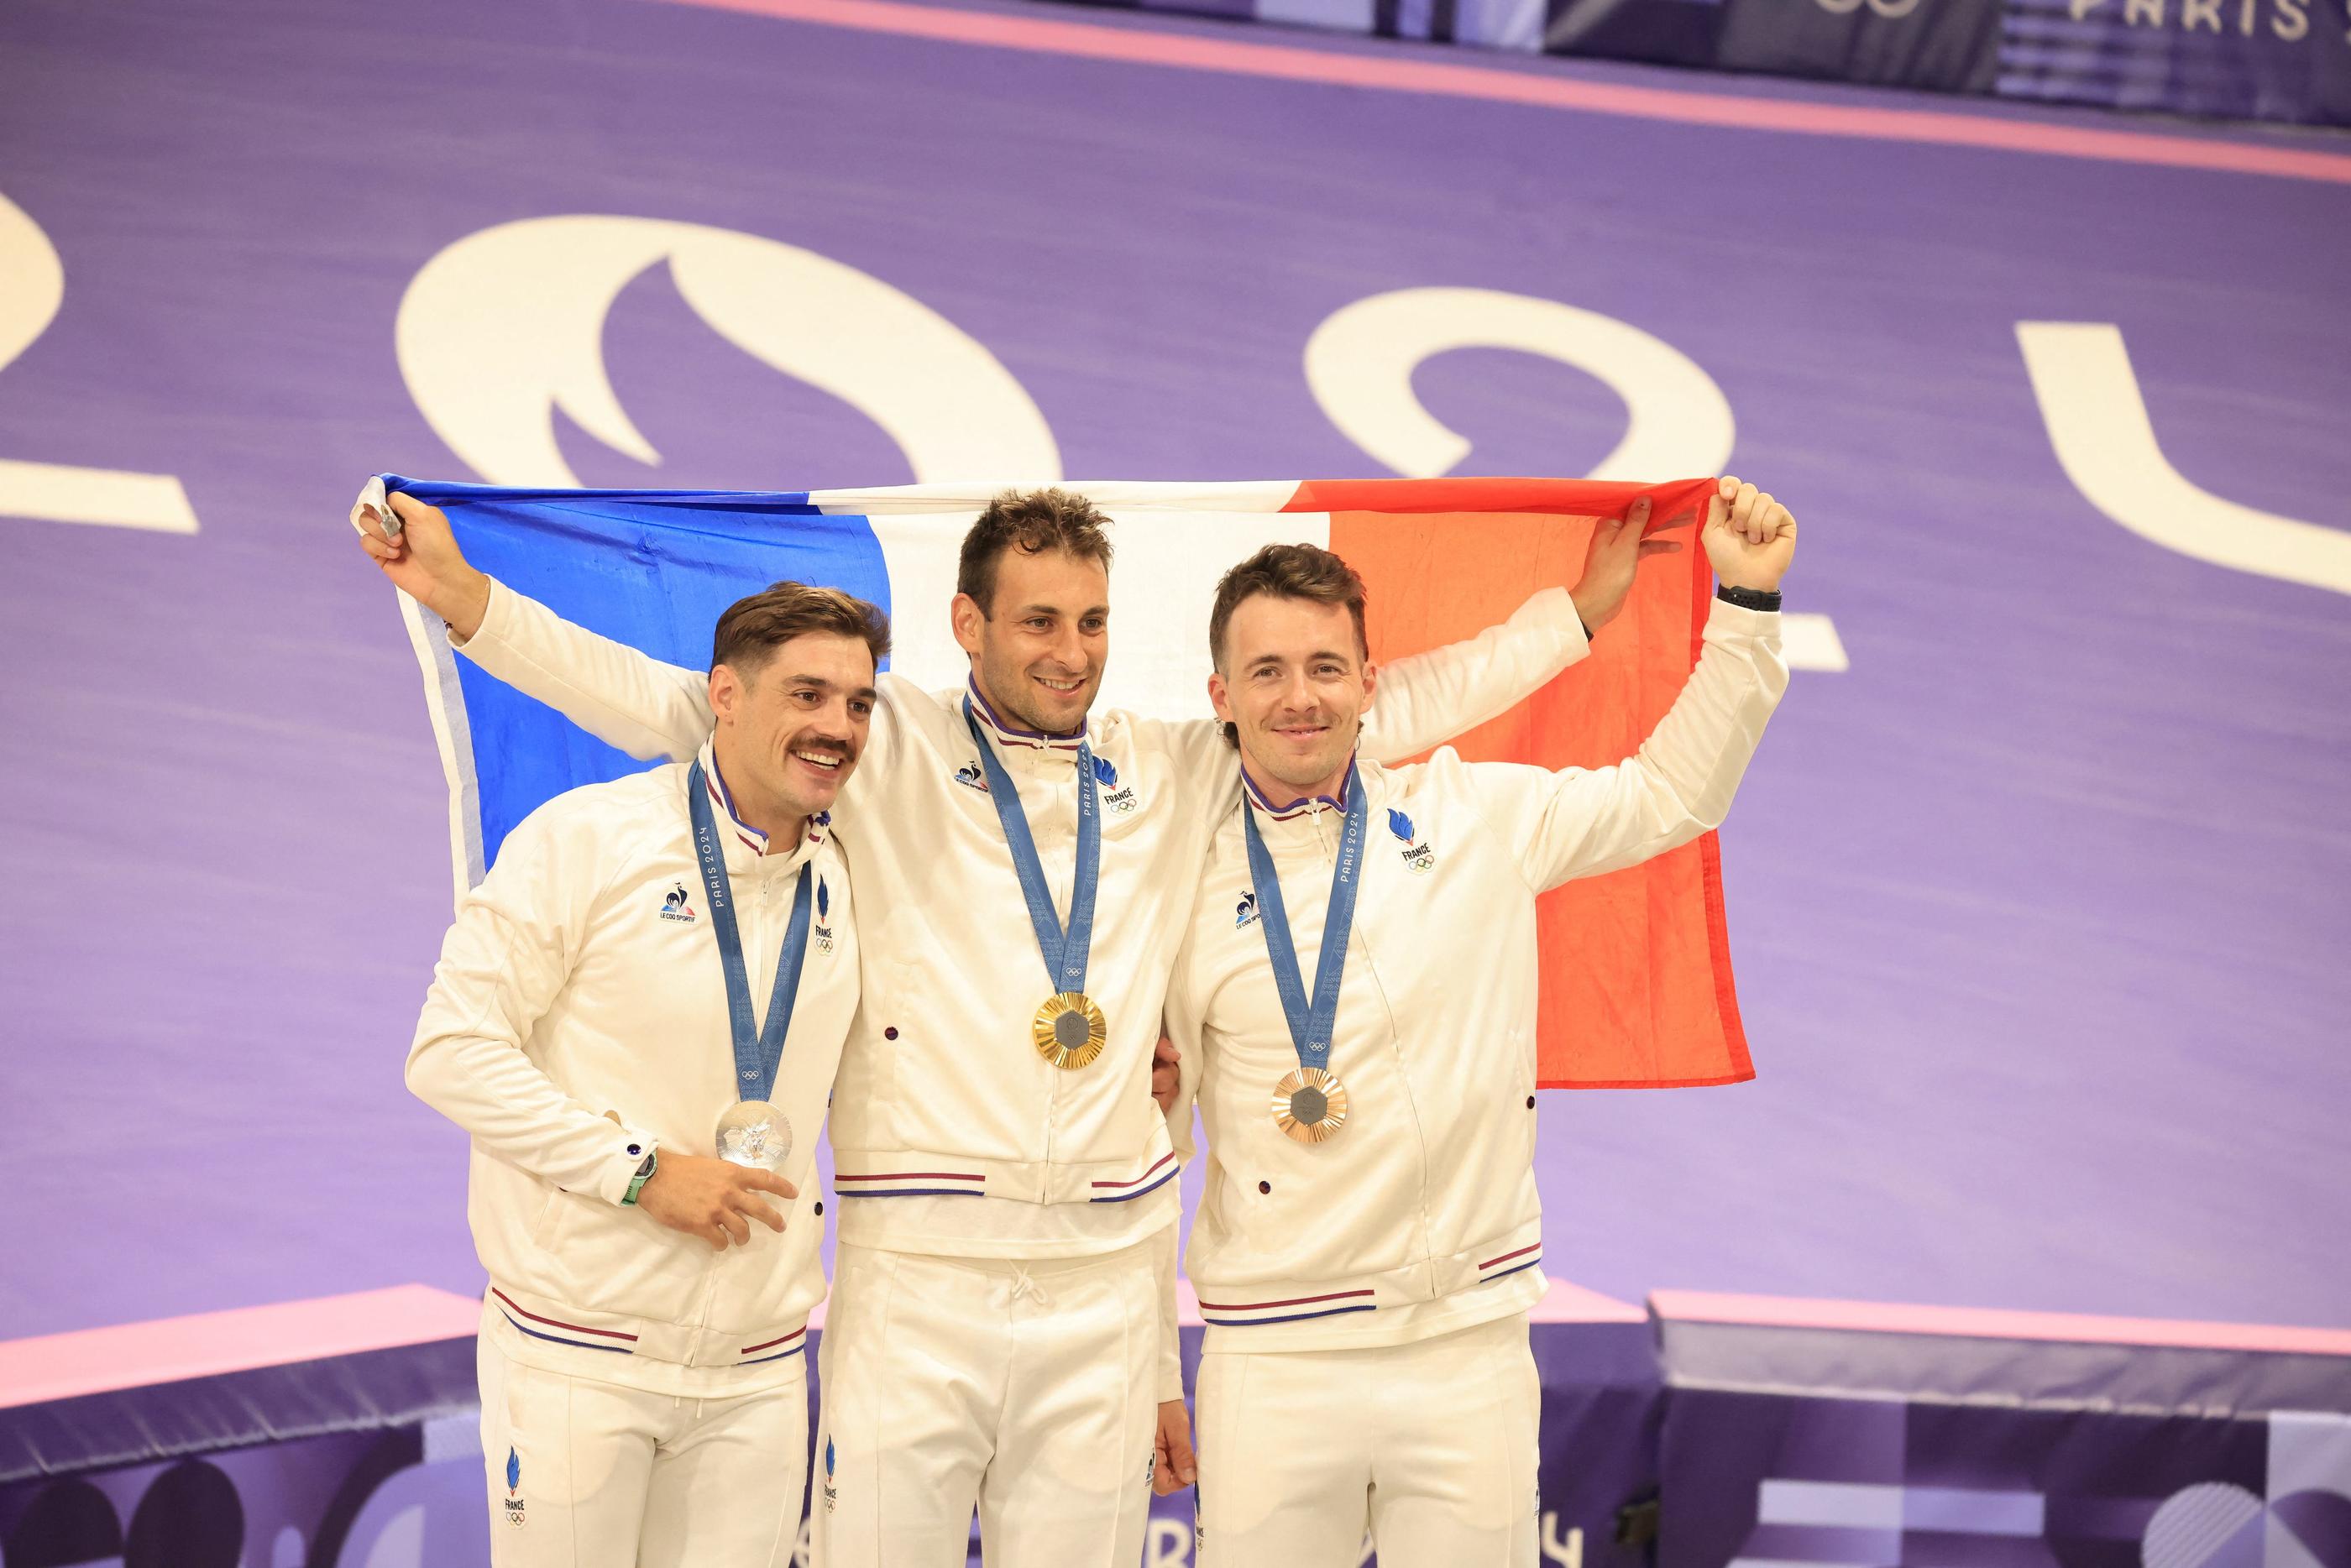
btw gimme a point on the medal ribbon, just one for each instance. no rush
(1311, 1026)
(1064, 952)
(759, 1051)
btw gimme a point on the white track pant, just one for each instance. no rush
(1026, 1388)
(610, 1477)
(1430, 1446)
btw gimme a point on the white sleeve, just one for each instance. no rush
(1171, 1343)
(1581, 822)
(1185, 1033)
(1429, 698)
(620, 696)
(502, 964)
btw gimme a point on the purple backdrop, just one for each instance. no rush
(2038, 908)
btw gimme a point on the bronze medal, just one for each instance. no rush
(1310, 1105)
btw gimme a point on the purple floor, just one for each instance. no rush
(2039, 909)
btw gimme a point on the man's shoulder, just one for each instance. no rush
(614, 806)
(910, 697)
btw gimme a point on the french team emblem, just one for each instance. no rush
(1419, 859)
(1113, 798)
(514, 1500)
(823, 912)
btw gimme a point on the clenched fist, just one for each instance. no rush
(1750, 537)
(426, 564)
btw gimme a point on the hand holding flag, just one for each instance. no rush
(1617, 547)
(1750, 537)
(424, 561)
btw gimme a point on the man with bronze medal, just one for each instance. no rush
(999, 1334)
(1365, 1255)
(636, 1117)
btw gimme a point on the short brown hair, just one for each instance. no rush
(1031, 522)
(752, 629)
(1288, 572)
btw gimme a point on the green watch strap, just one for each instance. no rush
(645, 1174)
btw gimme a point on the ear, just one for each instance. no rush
(1219, 696)
(725, 694)
(1371, 680)
(965, 615)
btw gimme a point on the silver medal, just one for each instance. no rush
(754, 1133)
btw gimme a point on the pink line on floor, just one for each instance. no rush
(1184, 51)
(1984, 1322)
(207, 1344)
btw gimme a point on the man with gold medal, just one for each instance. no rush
(1009, 1204)
(640, 1124)
(1369, 1236)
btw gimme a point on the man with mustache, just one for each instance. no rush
(1006, 1182)
(1355, 1011)
(637, 1016)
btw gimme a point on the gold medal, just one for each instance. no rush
(1310, 1105)
(1069, 1030)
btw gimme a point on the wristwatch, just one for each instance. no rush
(645, 1174)
(1748, 598)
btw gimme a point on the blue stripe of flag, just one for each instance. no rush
(651, 569)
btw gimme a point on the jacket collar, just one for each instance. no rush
(739, 834)
(1008, 735)
(1301, 807)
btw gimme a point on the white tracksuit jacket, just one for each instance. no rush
(579, 1014)
(943, 1099)
(1421, 1215)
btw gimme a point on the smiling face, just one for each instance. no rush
(1293, 681)
(1039, 649)
(792, 725)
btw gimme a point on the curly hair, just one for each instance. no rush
(1031, 522)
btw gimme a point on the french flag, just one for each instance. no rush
(1638, 988)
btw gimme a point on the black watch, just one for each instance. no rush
(1748, 598)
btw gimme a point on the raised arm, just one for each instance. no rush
(1432, 697)
(1581, 822)
(623, 696)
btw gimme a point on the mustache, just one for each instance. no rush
(834, 748)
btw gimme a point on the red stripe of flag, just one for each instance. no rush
(1636, 983)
